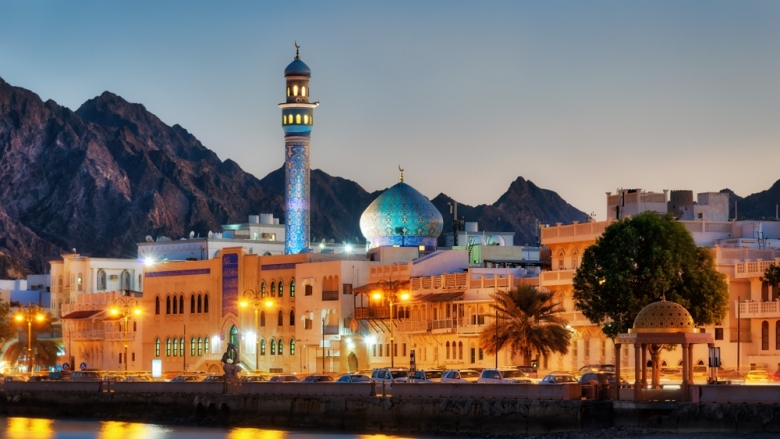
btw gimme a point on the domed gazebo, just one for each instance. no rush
(661, 323)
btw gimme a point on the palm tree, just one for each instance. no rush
(44, 351)
(527, 323)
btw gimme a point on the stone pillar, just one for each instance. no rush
(644, 366)
(690, 363)
(637, 372)
(685, 372)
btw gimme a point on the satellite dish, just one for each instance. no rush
(192, 234)
(149, 238)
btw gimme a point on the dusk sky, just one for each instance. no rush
(579, 97)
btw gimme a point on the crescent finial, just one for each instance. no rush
(402, 173)
(296, 49)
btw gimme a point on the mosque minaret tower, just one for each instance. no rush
(297, 120)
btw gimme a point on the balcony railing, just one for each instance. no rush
(413, 327)
(749, 269)
(443, 325)
(372, 313)
(752, 309)
(557, 277)
(330, 330)
(119, 335)
(470, 329)
(330, 295)
(87, 334)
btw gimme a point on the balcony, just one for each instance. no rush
(759, 310)
(330, 295)
(557, 277)
(119, 335)
(574, 232)
(88, 334)
(409, 327)
(470, 329)
(330, 330)
(443, 326)
(749, 269)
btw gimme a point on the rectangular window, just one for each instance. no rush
(395, 349)
(481, 354)
(473, 355)
(133, 357)
(347, 289)
(586, 348)
(387, 349)
(380, 349)
(404, 350)
(120, 358)
(308, 290)
(374, 348)
(718, 333)
(307, 323)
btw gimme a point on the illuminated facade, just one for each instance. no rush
(297, 121)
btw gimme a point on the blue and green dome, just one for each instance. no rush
(401, 216)
(297, 68)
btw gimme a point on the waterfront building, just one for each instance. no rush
(749, 335)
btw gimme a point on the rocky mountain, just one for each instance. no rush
(101, 178)
(761, 205)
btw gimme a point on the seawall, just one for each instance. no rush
(455, 415)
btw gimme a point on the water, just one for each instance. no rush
(35, 428)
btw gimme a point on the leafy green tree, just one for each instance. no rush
(772, 277)
(527, 323)
(637, 261)
(7, 324)
(44, 350)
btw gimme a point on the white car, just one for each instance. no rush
(460, 376)
(559, 378)
(503, 376)
(390, 376)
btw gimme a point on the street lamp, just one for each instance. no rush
(392, 292)
(256, 299)
(30, 313)
(125, 306)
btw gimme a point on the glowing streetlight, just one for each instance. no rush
(256, 298)
(29, 313)
(392, 292)
(125, 306)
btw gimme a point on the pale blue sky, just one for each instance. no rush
(579, 97)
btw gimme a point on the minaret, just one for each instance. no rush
(297, 120)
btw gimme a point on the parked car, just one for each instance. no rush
(600, 378)
(214, 378)
(597, 368)
(318, 378)
(113, 378)
(426, 376)
(775, 376)
(138, 379)
(188, 378)
(559, 378)
(15, 378)
(503, 376)
(284, 378)
(390, 376)
(253, 378)
(530, 371)
(86, 375)
(460, 376)
(757, 376)
(60, 375)
(354, 378)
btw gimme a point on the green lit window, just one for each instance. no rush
(175, 347)
(273, 347)
(262, 289)
(292, 347)
(281, 288)
(157, 347)
(192, 347)
(280, 346)
(273, 289)
(200, 346)
(206, 345)
(262, 347)
(168, 347)
(292, 288)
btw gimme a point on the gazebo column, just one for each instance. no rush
(690, 363)
(644, 366)
(686, 365)
(637, 372)
(617, 371)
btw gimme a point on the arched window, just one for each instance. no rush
(262, 347)
(175, 347)
(575, 259)
(192, 304)
(181, 304)
(200, 346)
(206, 345)
(125, 280)
(280, 319)
(561, 254)
(448, 350)
(292, 288)
(279, 347)
(175, 307)
(59, 283)
(273, 289)
(273, 347)
(460, 350)
(288, 91)
(181, 343)
(168, 347)
(101, 280)
(79, 282)
(167, 304)
(295, 90)
(157, 347)
(305, 119)
(281, 289)
(292, 346)
(764, 335)
(777, 335)
(262, 289)
(292, 317)
(262, 318)
(200, 303)
(157, 305)
(192, 347)
(206, 303)
(303, 90)
(298, 118)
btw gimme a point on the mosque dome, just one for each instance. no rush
(297, 68)
(401, 216)
(663, 316)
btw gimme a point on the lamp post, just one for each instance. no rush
(391, 291)
(29, 313)
(255, 298)
(125, 306)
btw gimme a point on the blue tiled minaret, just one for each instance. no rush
(297, 120)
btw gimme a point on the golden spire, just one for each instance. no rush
(402, 174)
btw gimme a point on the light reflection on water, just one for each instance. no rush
(35, 428)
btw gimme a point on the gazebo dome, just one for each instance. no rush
(663, 316)
(401, 216)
